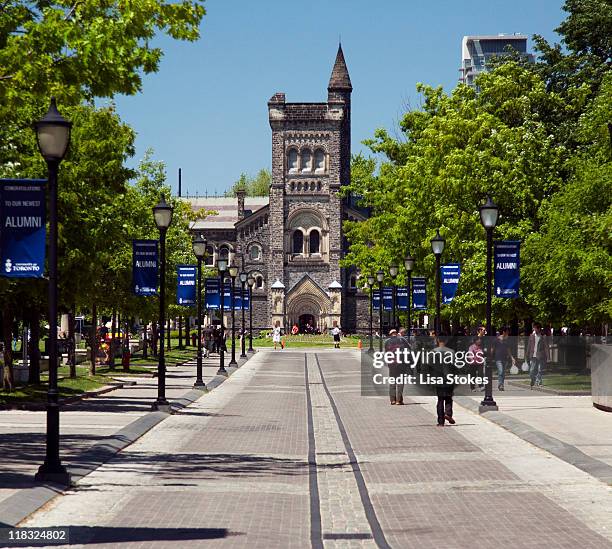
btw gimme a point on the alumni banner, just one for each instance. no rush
(401, 300)
(507, 260)
(387, 298)
(449, 274)
(22, 227)
(419, 293)
(186, 284)
(144, 267)
(211, 293)
(376, 299)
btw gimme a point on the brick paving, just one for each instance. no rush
(232, 470)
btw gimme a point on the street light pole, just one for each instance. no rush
(489, 213)
(409, 264)
(233, 271)
(393, 270)
(371, 286)
(222, 267)
(199, 250)
(162, 213)
(380, 276)
(243, 279)
(437, 247)
(53, 135)
(251, 282)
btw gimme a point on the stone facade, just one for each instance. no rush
(294, 243)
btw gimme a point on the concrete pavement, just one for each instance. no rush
(287, 453)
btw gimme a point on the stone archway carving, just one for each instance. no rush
(306, 297)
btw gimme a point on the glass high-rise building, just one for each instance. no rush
(476, 51)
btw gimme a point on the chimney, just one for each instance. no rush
(240, 194)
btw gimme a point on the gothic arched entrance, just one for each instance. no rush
(306, 323)
(307, 303)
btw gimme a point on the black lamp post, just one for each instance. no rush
(222, 268)
(251, 283)
(243, 280)
(371, 286)
(53, 135)
(409, 264)
(489, 213)
(233, 272)
(393, 270)
(380, 277)
(199, 250)
(437, 247)
(162, 213)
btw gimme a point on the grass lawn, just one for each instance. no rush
(292, 341)
(175, 356)
(563, 382)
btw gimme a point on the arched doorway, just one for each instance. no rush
(306, 323)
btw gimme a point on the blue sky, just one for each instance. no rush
(205, 111)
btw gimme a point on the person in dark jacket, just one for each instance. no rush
(442, 367)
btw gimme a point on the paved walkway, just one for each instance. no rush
(286, 453)
(22, 433)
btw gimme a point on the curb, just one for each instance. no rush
(564, 451)
(547, 390)
(17, 507)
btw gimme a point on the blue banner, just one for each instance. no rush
(401, 298)
(507, 261)
(246, 301)
(419, 293)
(449, 274)
(376, 299)
(144, 267)
(211, 293)
(22, 228)
(387, 298)
(227, 295)
(186, 284)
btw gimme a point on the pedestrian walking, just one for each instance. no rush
(477, 365)
(276, 337)
(397, 369)
(537, 354)
(336, 334)
(503, 354)
(443, 366)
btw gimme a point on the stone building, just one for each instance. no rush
(292, 241)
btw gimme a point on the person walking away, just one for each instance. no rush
(443, 366)
(502, 354)
(336, 333)
(477, 366)
(537, 354)
(276, 336)
(397, 369)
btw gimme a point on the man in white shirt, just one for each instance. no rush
(537, 354)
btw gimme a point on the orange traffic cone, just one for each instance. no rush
(359, 344)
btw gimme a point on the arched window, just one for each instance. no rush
(315, 242)
(298, 242)
(353, 282)
(306, 160)
(209, 259)
(259, 282)
(292, 161)
(255, 252)
(319, 161)
(224, 252)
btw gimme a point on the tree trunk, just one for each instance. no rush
(169, 346)
(126, 347)
(145, 342)
(154, 337)
(111, 362)
(187, 330)
(34, 351)
(71, 343)
(8, 381)
(93, 340)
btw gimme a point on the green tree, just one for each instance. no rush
(253, 186)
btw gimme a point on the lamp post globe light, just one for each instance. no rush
(489, 213)
(233, 272)
(222, 268)
(393, 271)
(437, 247)
(370, 286)
(409, 264)
(199, 250)
(380, 277)
(162, 214)
(251, 283)
(53, 136)
(243, 280)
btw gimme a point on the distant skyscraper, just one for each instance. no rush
(476, 51)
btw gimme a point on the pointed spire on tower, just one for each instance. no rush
(340, 79)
